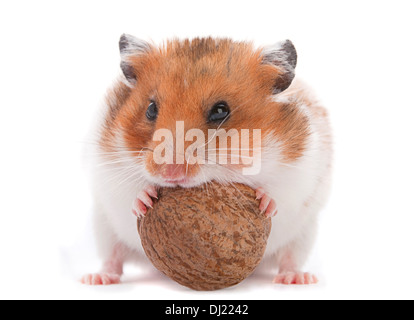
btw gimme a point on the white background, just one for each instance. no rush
(58, 57)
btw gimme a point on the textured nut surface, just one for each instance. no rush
(205, 239)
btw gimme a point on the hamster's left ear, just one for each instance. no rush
(283, 56)
(131, 46)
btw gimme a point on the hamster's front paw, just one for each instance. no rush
(295, 278)
(98, 279)
(267, 204)
(143, 201)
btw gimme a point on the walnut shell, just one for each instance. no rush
(205, 238)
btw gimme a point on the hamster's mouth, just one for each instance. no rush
(183, 183)
(179, 181)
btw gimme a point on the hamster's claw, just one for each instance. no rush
(295, 278)
(267, 204)
(101, 279)
(143, 201)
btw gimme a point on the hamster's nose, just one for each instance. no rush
(173, 172)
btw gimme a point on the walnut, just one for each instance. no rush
(205, 238)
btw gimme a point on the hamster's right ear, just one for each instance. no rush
(131, 46)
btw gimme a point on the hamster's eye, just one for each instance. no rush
(152, 111)
(219, 113)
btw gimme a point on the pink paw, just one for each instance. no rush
(295, 278)
(267, 204)
(143, 201)
(101, 279)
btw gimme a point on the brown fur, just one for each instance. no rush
(185, 79)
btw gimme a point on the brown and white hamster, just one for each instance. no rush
(210, 84)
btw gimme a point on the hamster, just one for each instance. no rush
(210, 84)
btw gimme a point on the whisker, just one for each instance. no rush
(231, 149)
(119, 152)
(112, 145)
(118, 161)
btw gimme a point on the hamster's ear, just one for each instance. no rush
(131, 46)
(283, 56)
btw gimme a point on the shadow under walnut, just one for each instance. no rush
(205, 238)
